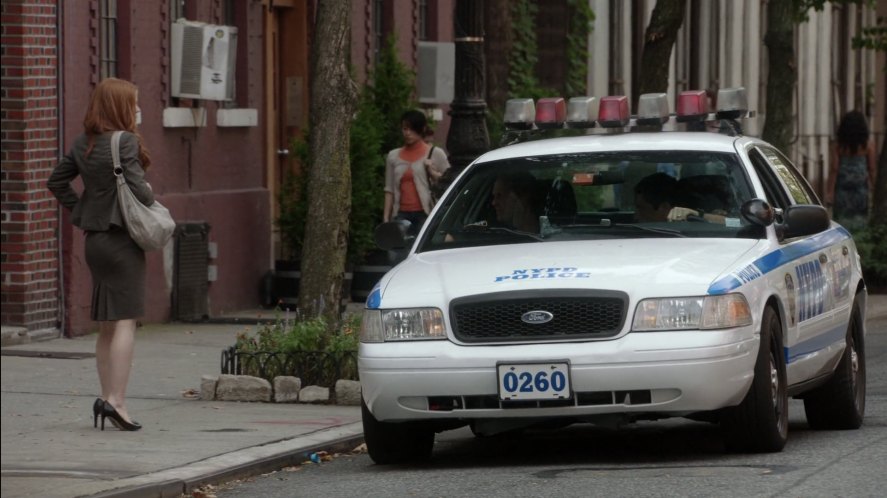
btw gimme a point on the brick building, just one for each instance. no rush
(216, 166)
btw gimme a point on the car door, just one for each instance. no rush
(809, 273)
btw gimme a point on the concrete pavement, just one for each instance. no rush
(49, 447)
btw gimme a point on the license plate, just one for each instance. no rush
(529, 381)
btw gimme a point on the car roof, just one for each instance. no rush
(635, 141)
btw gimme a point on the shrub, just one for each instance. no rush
(299, 347)
(871, 242)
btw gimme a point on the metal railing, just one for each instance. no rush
(314, 368)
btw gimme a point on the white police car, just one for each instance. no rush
(617, 277)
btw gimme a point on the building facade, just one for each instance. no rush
(217, 164)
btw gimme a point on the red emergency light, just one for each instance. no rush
(613, 111)
(551, 112)
(692, 106)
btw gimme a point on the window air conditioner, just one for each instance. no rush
(437, 72)
(203, 60)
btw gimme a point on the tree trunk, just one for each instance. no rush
(665, 21)
(332, 102)
(781, 74)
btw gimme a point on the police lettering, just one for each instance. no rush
(540, 273)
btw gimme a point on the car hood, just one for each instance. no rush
(641, 268)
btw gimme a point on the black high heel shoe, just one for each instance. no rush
(96, 410)
(110, 412)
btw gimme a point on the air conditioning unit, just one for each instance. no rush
(203, 60)
(437, 72)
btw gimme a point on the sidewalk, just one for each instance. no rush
(49, 447)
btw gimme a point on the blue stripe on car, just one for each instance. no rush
(777, 258)
(815, 344)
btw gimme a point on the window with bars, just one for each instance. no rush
(108, 39)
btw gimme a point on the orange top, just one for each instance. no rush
(409, 196)
(414, 152)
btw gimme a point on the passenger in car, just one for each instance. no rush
(516, 201)
(652, 197)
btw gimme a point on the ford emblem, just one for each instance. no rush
(536, 317)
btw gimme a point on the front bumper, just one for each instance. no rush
(667, 373)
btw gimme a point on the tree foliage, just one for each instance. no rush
(392, 90)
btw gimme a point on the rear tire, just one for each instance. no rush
(389, 442)
(760, 422)
(840, 403)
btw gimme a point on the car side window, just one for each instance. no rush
(797, 186)
(772, 186)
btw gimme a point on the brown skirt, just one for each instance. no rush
(117, 265)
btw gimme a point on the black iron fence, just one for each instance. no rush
(314, 368)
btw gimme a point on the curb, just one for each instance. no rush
(175, 488)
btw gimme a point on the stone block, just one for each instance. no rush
(347, 392)
(286, 389)
(314, 394)
(208, 387)
(242, 388)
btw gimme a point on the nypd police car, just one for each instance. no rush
(630, 274)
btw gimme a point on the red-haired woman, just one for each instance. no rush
(116, 262)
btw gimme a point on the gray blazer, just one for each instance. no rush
(98, 208)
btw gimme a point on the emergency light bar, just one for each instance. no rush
(692, 106)
(652, 109)
(612, 111)
(550, 113)
(582, 112)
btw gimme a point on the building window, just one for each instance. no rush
(378, 28)
(176, 10)
(108, 39)
(423, 19)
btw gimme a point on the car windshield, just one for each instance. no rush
(661, 194)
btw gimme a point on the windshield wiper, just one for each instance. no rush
(642, 228)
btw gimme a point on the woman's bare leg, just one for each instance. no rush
(103, 355)
(121, 352)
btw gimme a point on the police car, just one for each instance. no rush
(614, 276)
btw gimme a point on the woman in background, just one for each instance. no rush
(852, 171)
(116, 262)
(410, 171)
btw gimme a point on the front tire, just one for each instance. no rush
(389, 442)
(760, 422)
(840, 403)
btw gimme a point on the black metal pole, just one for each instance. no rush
(468, 137)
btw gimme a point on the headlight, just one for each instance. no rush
(681, 313)
(402, 325)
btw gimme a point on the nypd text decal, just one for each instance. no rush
(543, 273)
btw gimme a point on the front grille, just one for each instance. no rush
(492, 402)
(575, 314)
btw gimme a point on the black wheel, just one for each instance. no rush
(389, 442)
(840, 403)
(760, 422)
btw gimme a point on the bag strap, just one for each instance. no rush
(430, 151)
(115, 152)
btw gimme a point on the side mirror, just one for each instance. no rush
(758, 212)
(392, 235)
(804, 219)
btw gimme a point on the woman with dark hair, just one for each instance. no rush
(116, 262)
(409, 172)
(851, 172)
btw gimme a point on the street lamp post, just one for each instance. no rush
(468, 137)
